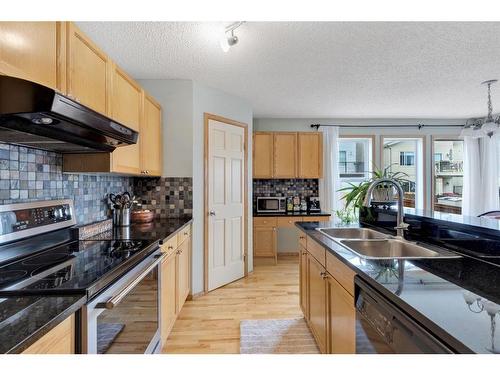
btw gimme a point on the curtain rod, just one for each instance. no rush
(419, 126)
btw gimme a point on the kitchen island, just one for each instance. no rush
(445, 296)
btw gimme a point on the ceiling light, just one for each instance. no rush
(486, 126)
(228, 38)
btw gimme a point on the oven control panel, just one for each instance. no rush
(39, 216)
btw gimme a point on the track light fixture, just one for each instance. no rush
(228, 38)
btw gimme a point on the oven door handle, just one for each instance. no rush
(116, 299)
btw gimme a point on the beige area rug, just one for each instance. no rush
(276, 336)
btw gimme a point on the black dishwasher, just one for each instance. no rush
(383, 329)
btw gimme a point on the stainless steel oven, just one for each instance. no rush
(382, 328)
(271, 204)
(125, 318)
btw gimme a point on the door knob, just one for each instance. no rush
(212, 213)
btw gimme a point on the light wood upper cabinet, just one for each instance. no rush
(151, 138)
(310, 155)
(126, 108)
(29, 50)
(88, 71)
(263, 155)
(341, 319)
(317, 295)
(285, 155)
(59, 340)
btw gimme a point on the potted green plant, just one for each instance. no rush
(355, 194)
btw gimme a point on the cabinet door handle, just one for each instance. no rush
(186, 233)
(302, 237)
(170, 247)
(304, 253)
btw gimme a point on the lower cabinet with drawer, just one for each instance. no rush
(175, 279)
(265, 233)
(327, 299)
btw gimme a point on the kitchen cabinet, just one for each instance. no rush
(175, 279)
(168, 297)
(143, 158)
(183, 274)
(151, 138)
(263, 164)
(285, 155)
(265, 242)
(126, 108)
(303, 286)
(326, 296)
(310, 154)
(265, 233)
(317, 296)
(59, 340)
(341, 319)
(29, 50)
(88, 71)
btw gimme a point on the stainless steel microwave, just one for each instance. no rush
(271, 204)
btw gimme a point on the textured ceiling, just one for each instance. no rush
(321, 69)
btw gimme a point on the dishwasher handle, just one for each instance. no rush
(116, 299)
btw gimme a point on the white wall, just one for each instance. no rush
(303, 124)
(176, 99)
(184, 104)
(216, 102)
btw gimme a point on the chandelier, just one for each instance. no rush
(481, 127)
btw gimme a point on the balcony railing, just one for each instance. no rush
(352, 169)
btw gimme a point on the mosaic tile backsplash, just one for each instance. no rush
(285, 188)
(28, 174)
(166, 196)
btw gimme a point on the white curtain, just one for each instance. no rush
(489, 173)
(472, 176)
(480, 188)
(329, 185)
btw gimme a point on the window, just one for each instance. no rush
(355, 158)
(448, 175)
(407, 158)
(404, 157)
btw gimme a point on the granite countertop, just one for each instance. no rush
(292, 214)
(157, 230)
(432, 291)
(23, 320)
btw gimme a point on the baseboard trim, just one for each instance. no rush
(191, 297)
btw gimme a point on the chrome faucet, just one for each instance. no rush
(401, 225)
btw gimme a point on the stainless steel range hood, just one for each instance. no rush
(36, 116)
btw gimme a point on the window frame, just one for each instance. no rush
(434, 138)
(372, 139)
(423, 173)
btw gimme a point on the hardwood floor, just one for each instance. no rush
(211, 324)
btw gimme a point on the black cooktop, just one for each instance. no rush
(77, 266)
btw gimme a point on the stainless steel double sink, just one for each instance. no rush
(370, 244)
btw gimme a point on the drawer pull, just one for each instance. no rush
(302, 237)
(170, 247)
(186, 233)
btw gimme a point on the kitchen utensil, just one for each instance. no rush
(121, 217)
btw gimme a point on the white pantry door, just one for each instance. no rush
(226, 231)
